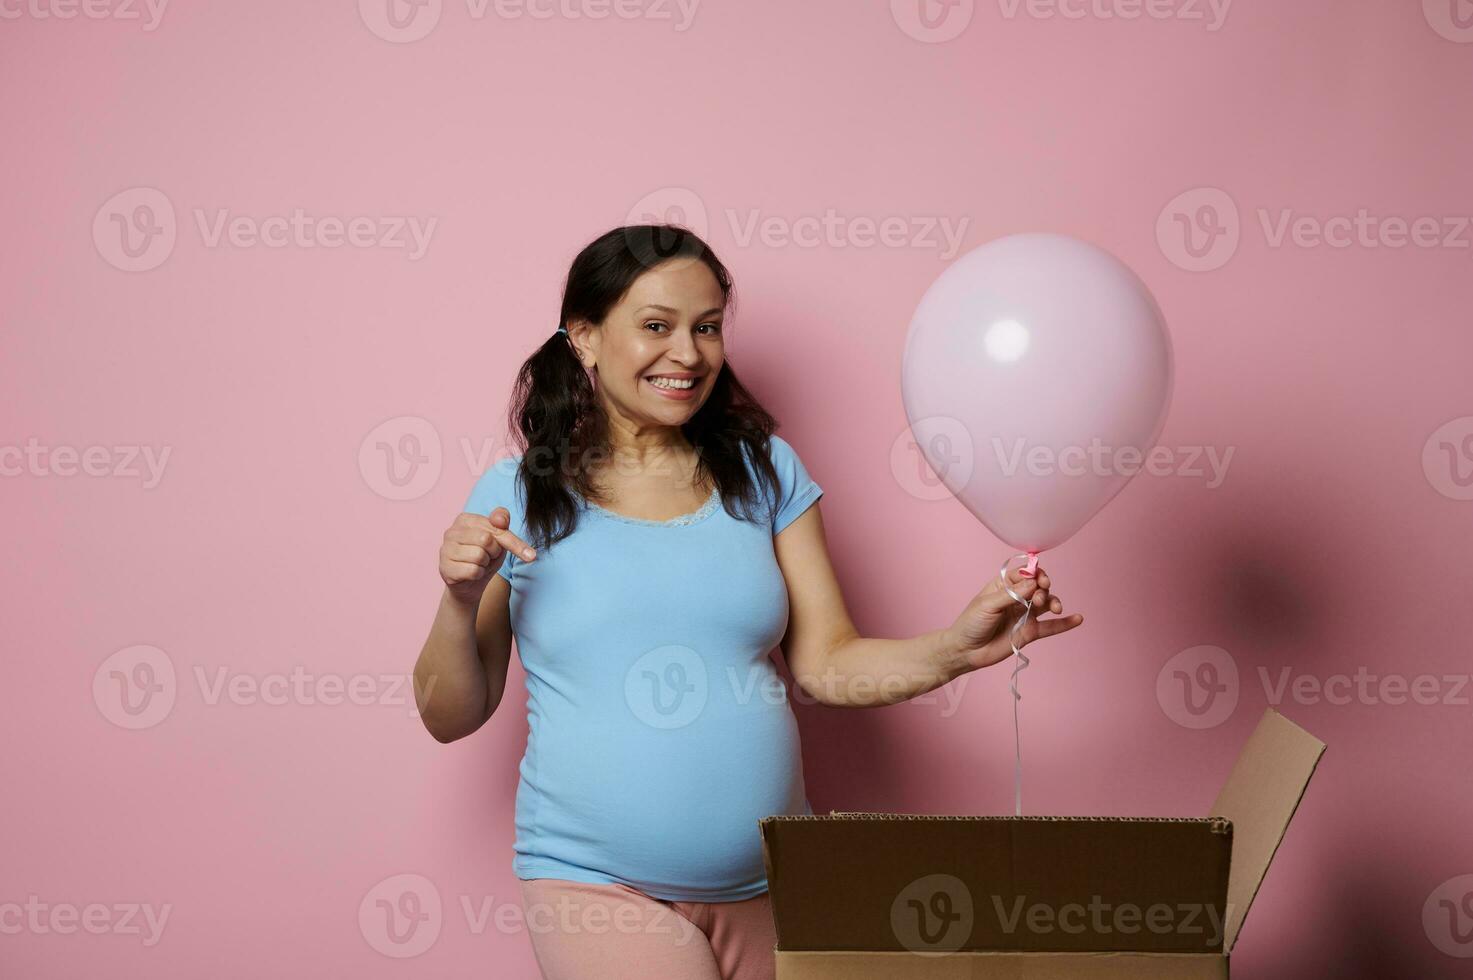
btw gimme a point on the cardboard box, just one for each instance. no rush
(896, 896)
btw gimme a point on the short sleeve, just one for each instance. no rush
(500, 486)
(796, 489)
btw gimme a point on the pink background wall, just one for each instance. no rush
(275, 542)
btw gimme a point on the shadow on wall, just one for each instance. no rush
(1368, 900)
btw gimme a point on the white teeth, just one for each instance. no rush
(673, 383)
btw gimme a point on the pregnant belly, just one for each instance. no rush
(668, 809)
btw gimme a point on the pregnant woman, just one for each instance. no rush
(650, 547)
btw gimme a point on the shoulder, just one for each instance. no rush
(781, 453)
(786, 461)
(780, 450)
(796, 488)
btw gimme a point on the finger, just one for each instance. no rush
(498, 520)
(1048, 602)
(1015, 575)
(491, 537)
(1000, 601)
(481, 535)
(465, 571)
(469, 554)
(1042, 628)
(516, 545)
(501, 522)
(994, 584)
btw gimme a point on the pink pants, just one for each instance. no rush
(614, 932)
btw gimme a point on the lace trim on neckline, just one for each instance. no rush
(705, 511)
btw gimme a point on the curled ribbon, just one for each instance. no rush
(1020, 663)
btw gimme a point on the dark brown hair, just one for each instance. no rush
(559, 425)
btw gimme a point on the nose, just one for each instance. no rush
(683, 349)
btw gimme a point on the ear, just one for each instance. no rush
(585, 340)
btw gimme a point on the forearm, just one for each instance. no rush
(449, 678)
(866, 672)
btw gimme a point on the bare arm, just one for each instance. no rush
(832, 663)
(461, 672)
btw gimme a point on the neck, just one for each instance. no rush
(641, 445)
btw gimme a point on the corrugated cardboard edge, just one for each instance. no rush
(1260, 797)
(762, 824)
(810, 965)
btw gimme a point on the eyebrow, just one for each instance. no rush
(666, 309)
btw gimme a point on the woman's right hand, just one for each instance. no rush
(473, 550)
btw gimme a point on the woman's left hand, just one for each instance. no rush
(982, 633)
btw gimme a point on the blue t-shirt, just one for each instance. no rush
(659, 727)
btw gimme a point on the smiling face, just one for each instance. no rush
(659, 350)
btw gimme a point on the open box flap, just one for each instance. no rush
(1260, 797)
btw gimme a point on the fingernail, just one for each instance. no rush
(528, 553)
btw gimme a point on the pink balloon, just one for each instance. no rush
(1036, 377)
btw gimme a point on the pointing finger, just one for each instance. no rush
(1042, 628)
(515, 545)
